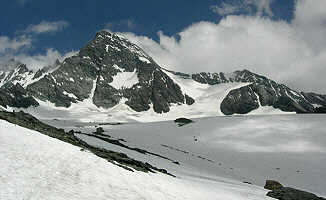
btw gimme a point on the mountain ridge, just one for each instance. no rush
(110, 70)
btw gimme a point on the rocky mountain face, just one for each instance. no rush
(110, 70)
(261, 92)
(12, 92)
(264, 92)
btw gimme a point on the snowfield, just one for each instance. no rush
(230, 149)
(35, 166)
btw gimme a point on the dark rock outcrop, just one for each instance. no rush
(15, 96)
(263, 92)
(90, 75)
(287, 193)
(183, 121)
(189, 100)
(272, 185)
(320, 110)
(240, 101)
(210, 78)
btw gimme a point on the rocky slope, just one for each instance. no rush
(260, 92)
(264, 92)
(110, 70)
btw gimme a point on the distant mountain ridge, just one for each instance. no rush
(111, 70)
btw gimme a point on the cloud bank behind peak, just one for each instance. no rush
(293, 52)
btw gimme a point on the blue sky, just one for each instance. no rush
(85, 18)
(282, 39)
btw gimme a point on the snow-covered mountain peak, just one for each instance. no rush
(111, 73)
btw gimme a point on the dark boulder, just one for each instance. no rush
(183, 121)
(272, 185)
(286, 193)
(99, 131)
(189, 100)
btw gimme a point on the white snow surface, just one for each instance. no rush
(144, 59)
(124, 79)
(35, 166)
(287, 148)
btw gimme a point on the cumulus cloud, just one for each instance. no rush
(292, 53)
(8, 45)
(46, 27)
(262, 7)
(38, 61)
(17, 48)
(35, 62)
(225, 9)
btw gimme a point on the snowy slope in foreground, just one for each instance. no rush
(35, 166)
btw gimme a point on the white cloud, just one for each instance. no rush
(262, 6)
(39, 61)
(46, 27)
(16, 47)
(7, 44)
(225, 9)
(293, 53)
(35, 62)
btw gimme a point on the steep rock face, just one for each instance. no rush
(13, 78)
(263, 92)
(72, 81)
(19, 74)
(15, 96)
(240, 101)
(244, 76)
(317, 100)
(107, 70)
(210, 78)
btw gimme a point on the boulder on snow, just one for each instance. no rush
(286, 193)
(183, 121)
(272, 185)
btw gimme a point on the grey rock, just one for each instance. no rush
(272, 185)
(189, 100)
(240, 101)
(183, 121)
(96, 65)
(15, 96)
(264, 92)
(287, 193)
